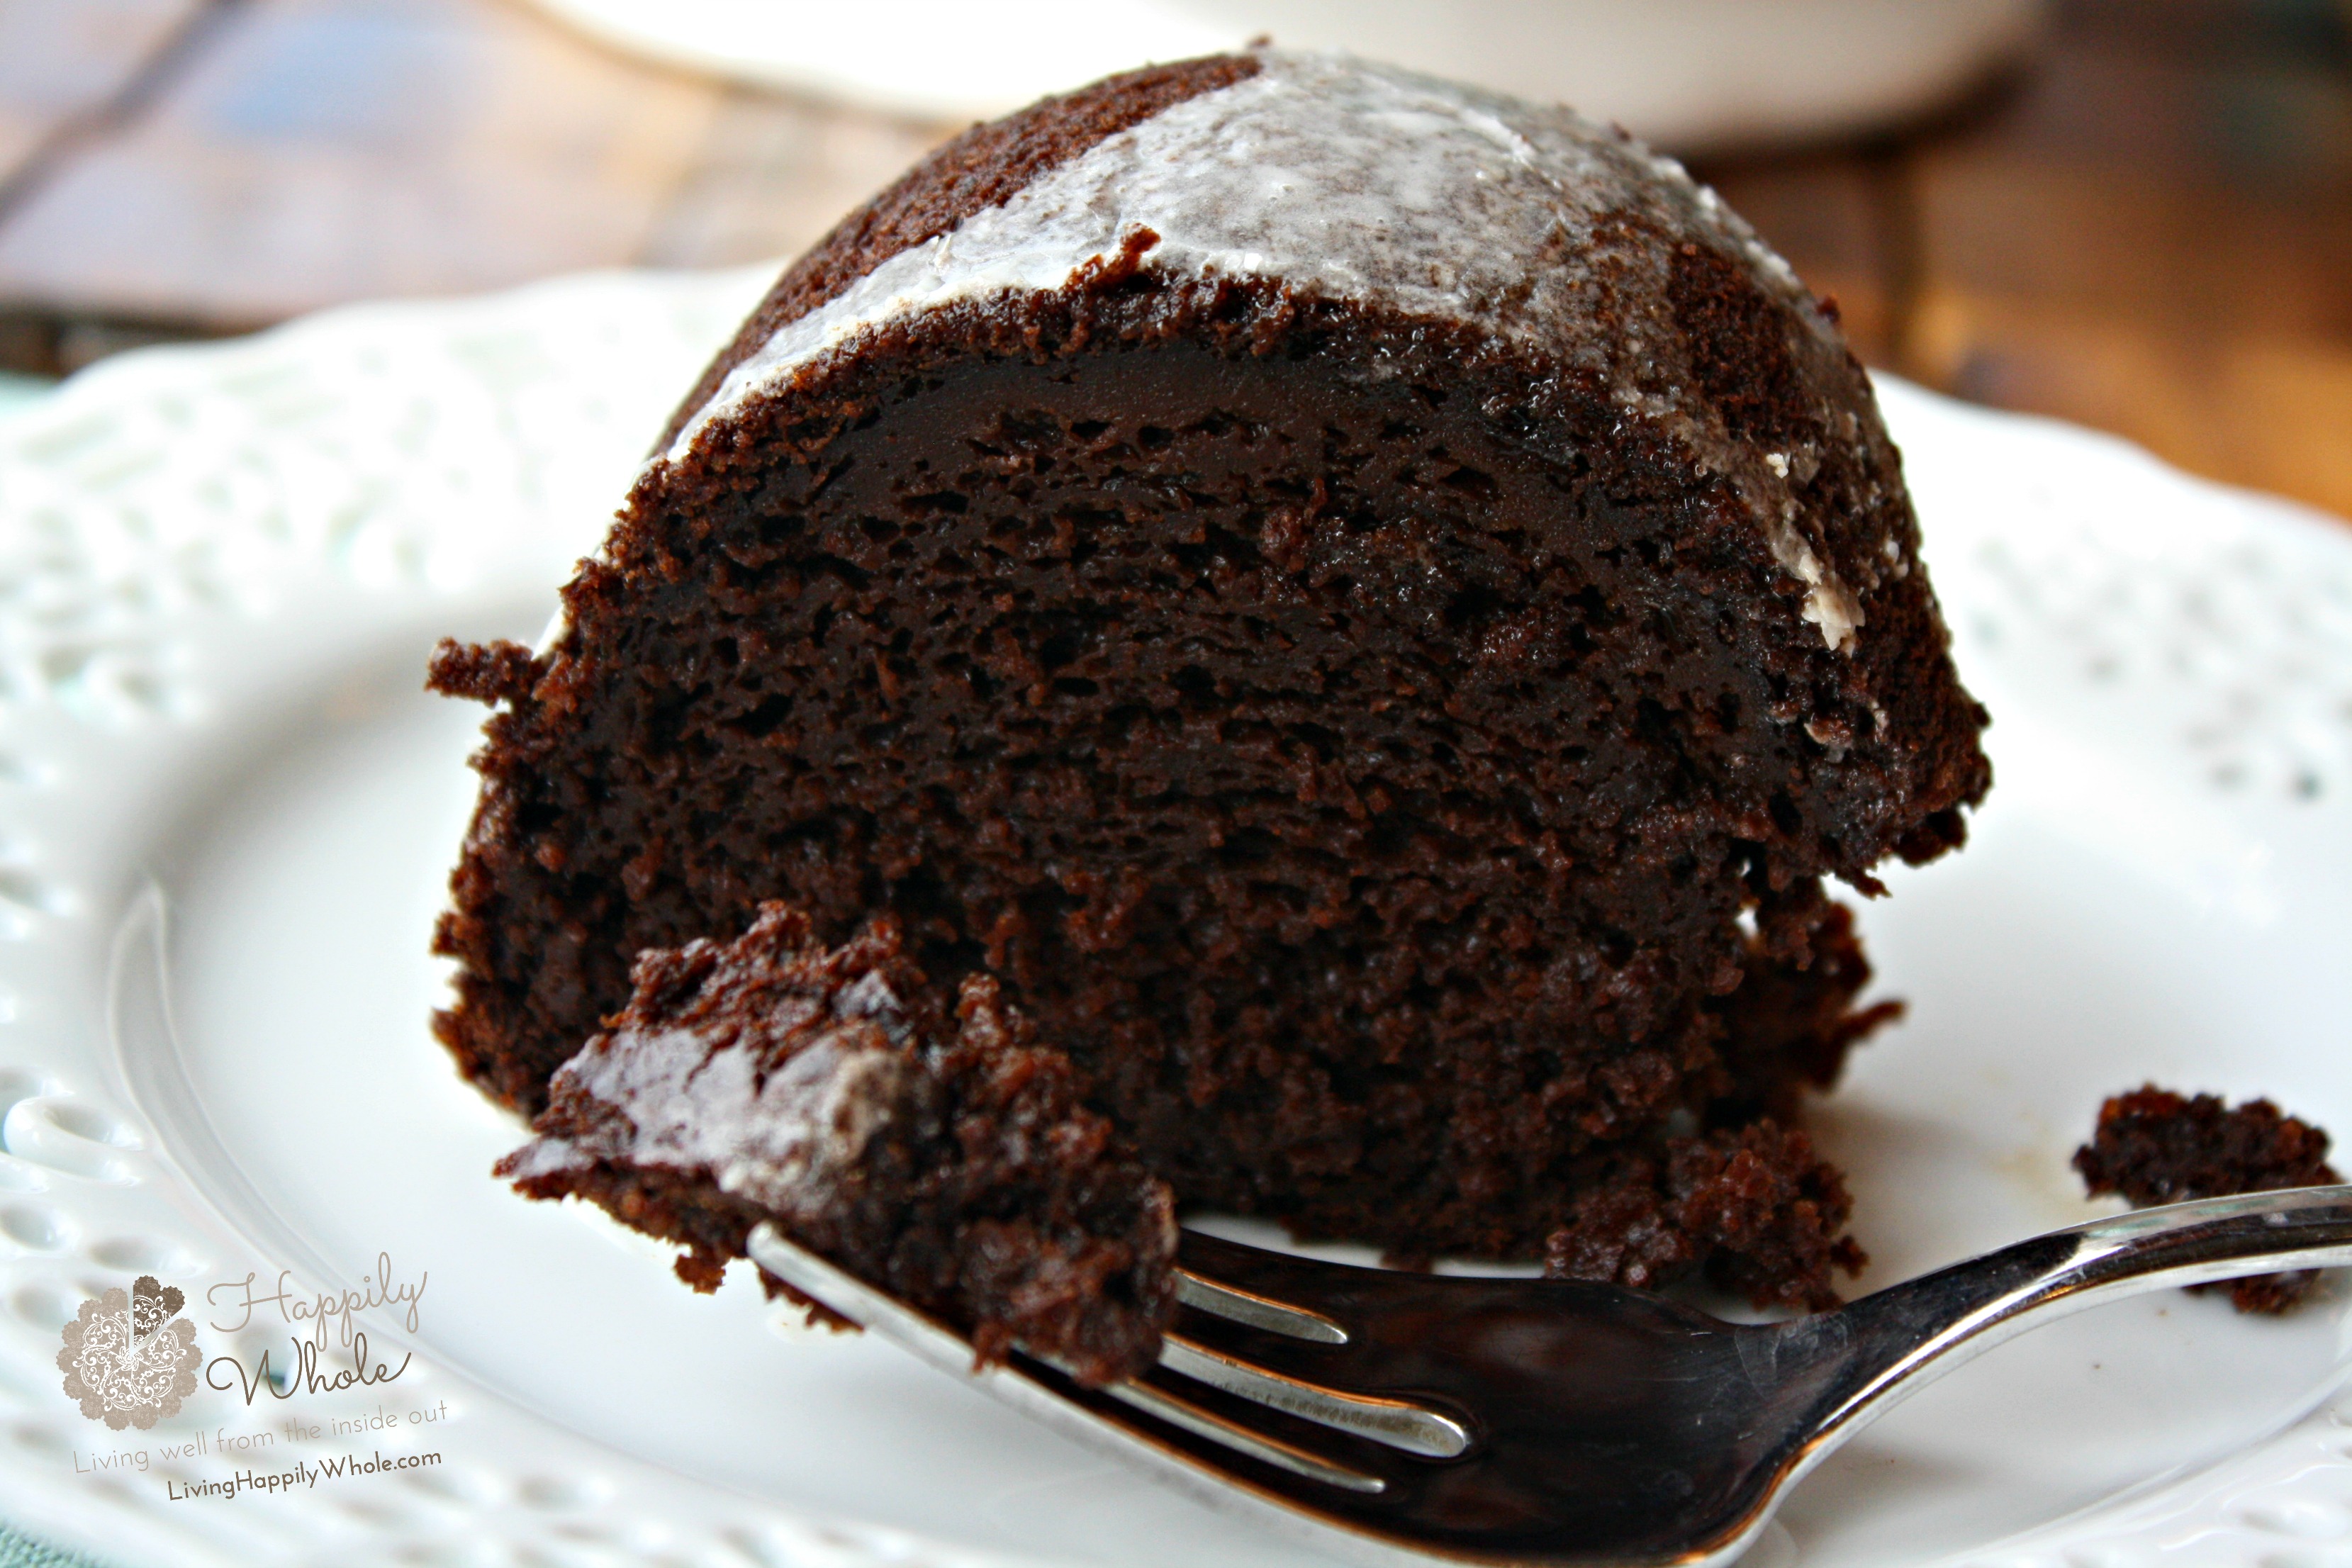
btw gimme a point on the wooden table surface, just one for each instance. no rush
(2148, 227)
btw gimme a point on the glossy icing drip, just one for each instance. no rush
(668, 1098)
(1363, 182)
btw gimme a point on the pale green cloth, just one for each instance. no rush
(15, 391)
(20, 1550)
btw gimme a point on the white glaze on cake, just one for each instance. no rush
(1363, 182)
(667, 1099)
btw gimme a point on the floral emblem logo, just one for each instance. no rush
(130, 1357)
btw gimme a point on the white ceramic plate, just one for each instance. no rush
(226, 813)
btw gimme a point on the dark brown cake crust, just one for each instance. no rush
(1350, 737)
(945, 1159)
(2155, 1147)
(984, 167)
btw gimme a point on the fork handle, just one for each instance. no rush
(1892, 1342)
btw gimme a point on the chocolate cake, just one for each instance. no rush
(2153, 1146)
(939, 1153)
(1368, 609)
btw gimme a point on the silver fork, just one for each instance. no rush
(1399, 1417)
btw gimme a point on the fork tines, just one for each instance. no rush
(1404, 1424)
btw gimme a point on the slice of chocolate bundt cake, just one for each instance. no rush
(1370, 608)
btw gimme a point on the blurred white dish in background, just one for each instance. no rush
(1685, 74)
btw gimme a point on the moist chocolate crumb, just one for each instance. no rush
(2155, 1147)
(944, 1159)
(1754, 1209)
(486, 672)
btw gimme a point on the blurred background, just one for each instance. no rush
(2133, 214)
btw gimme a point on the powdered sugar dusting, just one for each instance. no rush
(870, 996)
(815, 1117)
(543, 1157)
(1362, 183)
(667, 1099)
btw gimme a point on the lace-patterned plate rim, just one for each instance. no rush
(164, 519)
